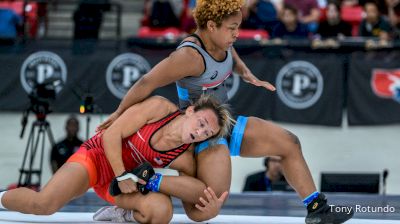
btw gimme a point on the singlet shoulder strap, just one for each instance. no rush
(198, 38)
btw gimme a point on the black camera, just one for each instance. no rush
(40, 97)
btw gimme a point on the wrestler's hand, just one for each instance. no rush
(213, 204)
(249, 77)
(107, 123)
(129, 186)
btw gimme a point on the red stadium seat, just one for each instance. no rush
(253, 34)
(150, 32)
(354, 16)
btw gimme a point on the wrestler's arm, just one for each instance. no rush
(245, 73)
(128, 123)
(179, 64)
(190, 189)
(185, 186)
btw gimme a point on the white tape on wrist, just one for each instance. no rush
(1, 195)
(128, 176)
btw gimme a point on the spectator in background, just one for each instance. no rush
(10, 22)
(333, 26)
(308, 12)
(259, 14)
(268, 180)
(374, 25)
(164, 13)
(350, 3)
(289, 27)
(393, 16)
(65, 148)
(87, 19)
(188, 23)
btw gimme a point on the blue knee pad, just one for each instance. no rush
(235, 139)
(204, 145)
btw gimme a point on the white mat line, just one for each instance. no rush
(84, 217)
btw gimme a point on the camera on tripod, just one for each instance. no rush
(40, 98)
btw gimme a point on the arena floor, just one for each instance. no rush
(266, 208)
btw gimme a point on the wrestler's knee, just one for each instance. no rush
(214, 168)
(44, 206)
(294, 145)
(157, 209)
(194, 216)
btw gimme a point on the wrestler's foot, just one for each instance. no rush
(114, 214)
(320, 212)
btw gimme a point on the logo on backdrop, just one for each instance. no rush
(386, 83)
(299, 84)
(232, 84)
(43, 67)
(123, 71)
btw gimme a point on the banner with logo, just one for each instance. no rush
(309, 88)
(104, 74)
(374, 88)
(310, 85)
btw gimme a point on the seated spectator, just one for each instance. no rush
(65, 148)
(374, 25)
(395, 22)
(268, 180)
(393, 16)
(350, 3)
(259, 14)
(188, 23)
(9, 24)
(333, 26)
(289, 27)
(87, 21)
(164, 13)
(308, 12)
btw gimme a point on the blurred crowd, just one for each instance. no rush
(276, 19)
(293, 19)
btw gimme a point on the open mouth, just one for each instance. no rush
(192, 136)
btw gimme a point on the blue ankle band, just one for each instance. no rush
(154, 183)
(310, 198)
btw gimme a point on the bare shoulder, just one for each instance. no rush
(188, 56)
(162, 103)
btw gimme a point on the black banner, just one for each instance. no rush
(374, 88)
(76, 70)
(309, 88)
(311, 84)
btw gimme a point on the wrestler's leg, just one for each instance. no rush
(264, 138)
(149, 208)
(214, 170)
(70, 181)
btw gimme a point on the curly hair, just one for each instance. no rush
(215, 10)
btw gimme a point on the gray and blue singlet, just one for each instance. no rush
(211, 81)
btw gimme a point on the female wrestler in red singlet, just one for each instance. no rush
(154, 131)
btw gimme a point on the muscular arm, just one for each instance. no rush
(187, 188)
(169, 70)
(239, 64)
(128, 123)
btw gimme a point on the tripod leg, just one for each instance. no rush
(27, 148)
(40, 135)
(50, 135)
